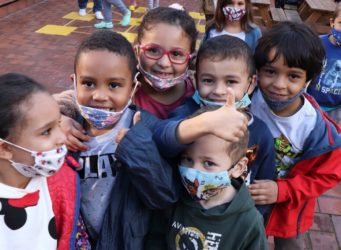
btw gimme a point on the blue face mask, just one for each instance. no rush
(276, 105)
(337, 35)
(242, 103)
(203, 185)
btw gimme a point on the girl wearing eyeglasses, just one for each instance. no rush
(234, 18)
(165, 44)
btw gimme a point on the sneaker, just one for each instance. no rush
(126, 19)
(104, 25)
(82, 12)
(132, 7)
(99, 15)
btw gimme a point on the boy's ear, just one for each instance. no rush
(331, 22)
(5, 151)
(239, 168)
(253, 83)
(136, 50)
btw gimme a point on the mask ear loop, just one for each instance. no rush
(17, 146)
(137, 84)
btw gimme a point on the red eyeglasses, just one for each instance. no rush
(155, 52)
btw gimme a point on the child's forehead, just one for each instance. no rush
(238, 64)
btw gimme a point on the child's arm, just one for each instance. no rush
(173, 135)
(324, 174)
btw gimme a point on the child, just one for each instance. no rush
(165, 43)
(326, 87)
(208, 8)
(97, 9)
(307, 142)
(116, 176)
(216, 211)
(223, 62)
(234, 17)
(107, 23)
(39, 195)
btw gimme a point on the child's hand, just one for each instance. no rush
(123, 131)
(226, 122)
(264, 191)
(74, 133)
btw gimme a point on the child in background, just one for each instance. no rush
(115, 179)
(227, 62)
(307, 143)
(107, 23)
(39, 193)
(234, 18)
(166, 41)
(217, 210)
(97, 9)
(326, 87)
(208, 8)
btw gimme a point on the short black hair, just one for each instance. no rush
(235, 150)
(222, 47)
(110, 41)
(15, 89)
(299, 45)
(170, 16)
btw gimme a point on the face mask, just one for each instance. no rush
(100, 118)
(45, 163)
(337, 35)
(203, 185)
(276, 105)
(242, 103)
(160, 84)
(233, 14)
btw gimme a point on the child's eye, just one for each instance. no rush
(185, 160)
(230, 82)
(209, 164)
(46, 132)
(154, 51)
(113, 85)
(176, 53)
(207, 81)
(294, 77)
(88, 84)
(269, 72)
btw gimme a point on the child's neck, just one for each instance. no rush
(233, 27)
(166, 97)
(10, 177)
(226, 195)
(93, 131)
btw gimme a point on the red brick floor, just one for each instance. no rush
(49, 59)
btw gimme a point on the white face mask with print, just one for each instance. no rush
(46, 163)
(100, 118)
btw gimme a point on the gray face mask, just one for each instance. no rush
(276, 105)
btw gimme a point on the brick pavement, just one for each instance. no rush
(49, 59)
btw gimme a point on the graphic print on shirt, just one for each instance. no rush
(191, 238)
(97, 166)
(284, 156)
(330, 78)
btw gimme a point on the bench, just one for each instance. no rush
(280, 15)
(293, 16)
(277, 15)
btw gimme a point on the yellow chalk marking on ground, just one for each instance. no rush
(196, 15)
(90, 5)
(201, 28)
(76, 16)
(140, 10)
(56, 30)
(135, 21)
(130, 36)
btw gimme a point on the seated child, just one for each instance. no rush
(217, 210)
(116, 176)
(227, 62)
(39, 192)
(307, 143)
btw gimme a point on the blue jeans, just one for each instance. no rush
(97, 5)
